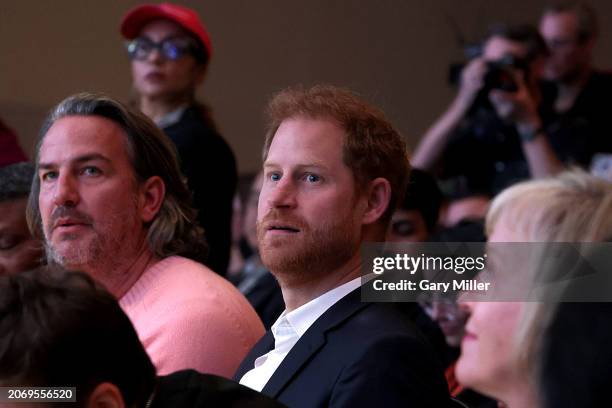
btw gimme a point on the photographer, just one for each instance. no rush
(491, 135)
(576, 93)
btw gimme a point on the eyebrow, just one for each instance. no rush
(302, 166)
(80, 159)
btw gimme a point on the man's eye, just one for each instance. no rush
(91, 171)
(312, 178)
(275, 176)
(48, 176)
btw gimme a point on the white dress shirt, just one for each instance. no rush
(288, 329)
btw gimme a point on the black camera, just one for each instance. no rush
(500, 73)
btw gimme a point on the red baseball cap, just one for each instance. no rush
(139, 16)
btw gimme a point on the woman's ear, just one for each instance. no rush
(378, 196)
(105, 395)
(152, 193)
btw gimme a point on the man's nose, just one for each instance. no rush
(66, 191)
(283, 194)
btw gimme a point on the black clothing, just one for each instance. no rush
(357, 354)
(430, 329)
(466, 230)
(191, 389)
(484, 155)
(266, 297)
(586, 128)
(474, 399)
(210, 167)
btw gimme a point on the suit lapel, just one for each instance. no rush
(312, 341)
(263, 346)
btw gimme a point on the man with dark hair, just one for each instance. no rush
(109, 200)
(84, 340)
(577, 95)
(334, 172)
(417, 216)
(491, 136)
(19, 251)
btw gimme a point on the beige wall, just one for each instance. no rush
(394, 52)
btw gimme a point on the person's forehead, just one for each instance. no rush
(162, 28)
(562, 23)
(73, 136)
(311, 140)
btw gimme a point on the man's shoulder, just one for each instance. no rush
(371, 322)
(180, 264)
(177, 274)
(177, 285)
(598, 87)
(360, 334)
(602, 77)
(341, 360)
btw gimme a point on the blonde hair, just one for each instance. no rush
(572, 207)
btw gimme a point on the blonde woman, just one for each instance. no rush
(501, 344)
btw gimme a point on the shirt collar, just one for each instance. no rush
(171, 118)
(304, 316)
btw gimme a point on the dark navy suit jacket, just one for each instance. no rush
(356, 355)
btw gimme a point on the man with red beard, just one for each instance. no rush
(109, 200)
(334, 170)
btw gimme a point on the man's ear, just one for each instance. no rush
(152, 193)
(105, 395)
(378, 196)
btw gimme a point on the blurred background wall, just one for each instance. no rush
(395, 53)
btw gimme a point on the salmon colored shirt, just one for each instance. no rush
(187, 316)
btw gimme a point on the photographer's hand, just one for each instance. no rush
(472, 81)
(434, 141)
(520, 107)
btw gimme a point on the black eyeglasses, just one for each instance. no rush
(171, 48)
